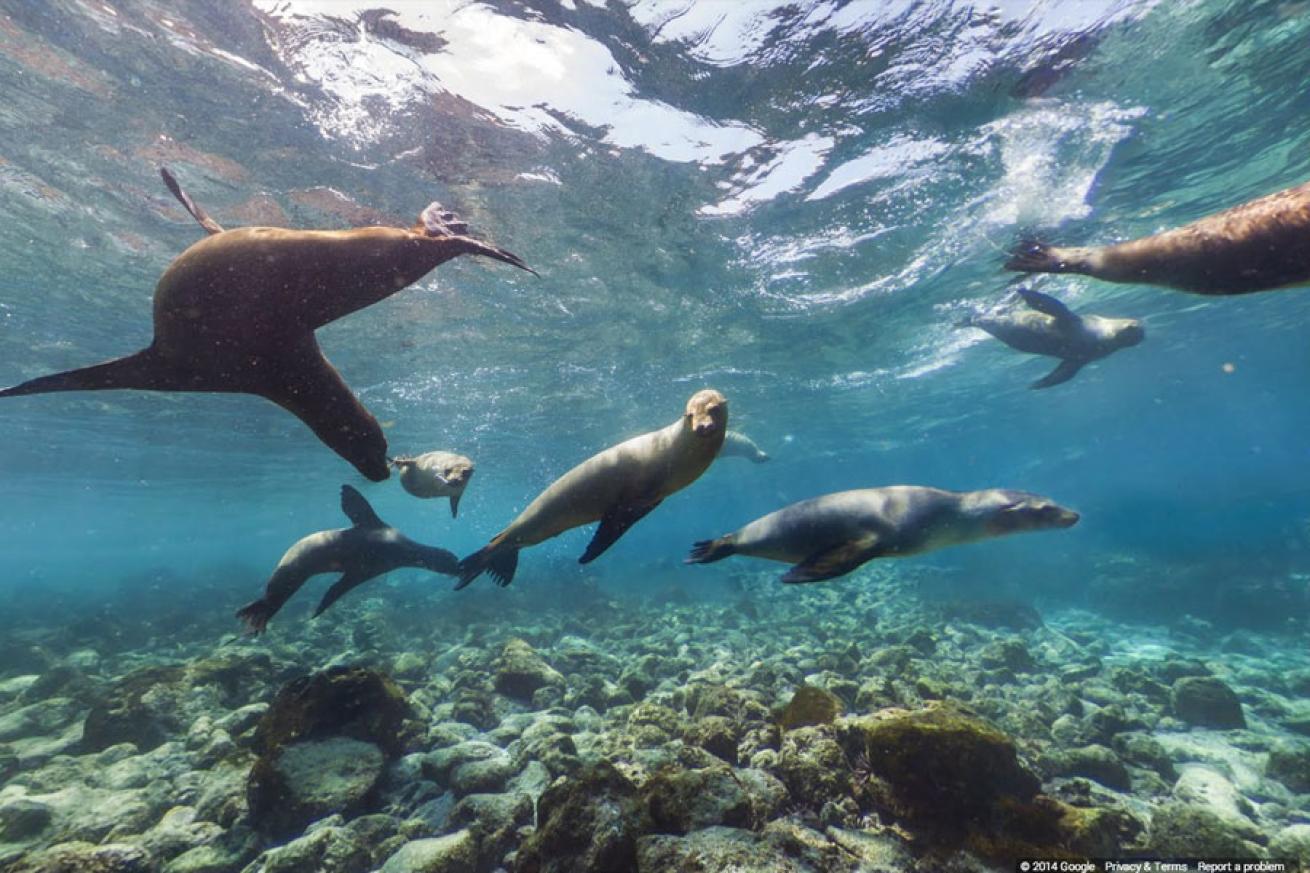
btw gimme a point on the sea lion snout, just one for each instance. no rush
(708, 411)
(1131, 334)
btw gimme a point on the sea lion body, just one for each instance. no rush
(616, 487)
(367, 549)
(436, 474)
(738, 445)
(1262, 245)
(829, 536)
(236, 312)
(1047, 327)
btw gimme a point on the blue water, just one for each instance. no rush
(791, 203)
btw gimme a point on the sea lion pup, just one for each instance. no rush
(830, 536)
(738, 445)
(616, 487)
(436, 474)
(237, 311)
(359, 553)
(1258, 246)
(1048, 327)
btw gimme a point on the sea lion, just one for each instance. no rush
(829, 536)
(1258, 246)
(1048, 327)
(616, 487)
(237, 311)
(436, 474)
(738, 445)
(359, 553)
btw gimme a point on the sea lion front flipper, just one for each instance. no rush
(1046, 304)
(358, 510)
(304, 383)
(835, 561)
(454, 505)
(614, 524)
(340, 587)
(1067, 369)
(209, 224)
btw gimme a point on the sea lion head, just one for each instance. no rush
(1126, 332)
(1014, 511)
(707, 413)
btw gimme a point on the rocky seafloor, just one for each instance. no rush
(854, 726)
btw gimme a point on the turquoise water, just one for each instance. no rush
(790, 203)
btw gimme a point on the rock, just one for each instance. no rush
(308, 780)
(487, 775)
(439, 765)
(350, 702)
(38, 719)
(810, 706)
(1007, 614)
(1205, 787)
(716, 735)
(1009, 654)
(717, 849)
(588, 822)
(1207, 702)
(813, 766)
(740, 707)
(454, 853)
(520, 671)
(328, 849)
(205, 859)
(1093, 762)
(22, 819)
(493, 820)
(1292, 843)
(80, 857)
(874, 852)
(1184, 830)
(178, 832)
(1143, 750)
(685, 800)
(1290, 764)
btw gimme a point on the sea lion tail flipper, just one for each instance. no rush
(1033, 256)
(302, 382)
(1066, 370)
(454, 505)
(477, 247)
(144, 371)
(358, 510)
(833, 562)
(339, 587)
(209, 224)
(709, 551)
(614, 524)
(438, 222)
(1046, 304)
(499, 560)
(256, 615)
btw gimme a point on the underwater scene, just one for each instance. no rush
(654, 435)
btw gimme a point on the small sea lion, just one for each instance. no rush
(738, 445)
(829, 536)
(436, 474)
(1048, 327)
(236, 312)
(616, 487)
(1258, 246)
(359, 553)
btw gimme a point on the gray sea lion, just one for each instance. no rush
(237, 311)
(830, 536)
(616, 487)
(359, 553)
(1048, 327)
(436, 474)
(738, 445)
(1258, 246)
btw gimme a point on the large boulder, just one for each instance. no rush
(454, 853)
(1205, 701)
(588, 822)
(305, 781)
(520, 671)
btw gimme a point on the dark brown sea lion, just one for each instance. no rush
(237, 311)
(616, 487)
(830, 536)
(1258, 246)
(369, 548)
(1048, 327)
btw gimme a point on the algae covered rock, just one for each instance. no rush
(813, 766)
(308, 780)
(810, 706)
(1290, 764)
(1093, 762)
(588, 822)
(520, 671)
(454, 853)
(1205, 701)
(724, 848)
(1292, 843)
(715, 734)
(80, 857)
(685, 800)
(1183, 830)
(493, 821)
(340, 701)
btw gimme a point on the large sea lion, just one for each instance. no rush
(359, 553)
(1048, 327)
(737, 445)
(616, 487)
(237, 311)
(436, 474)
(830, 536)
(1258, 246)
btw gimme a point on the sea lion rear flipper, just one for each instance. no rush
(499, 560)
(614, 524)
(340, 587)
(301, 381)
(833, 562)
(144, 371)
(358, 510)
(454, 505)
(1063, 373)
(209, 224)
(1046, 304)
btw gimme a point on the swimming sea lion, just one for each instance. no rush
(359, 553)
(1258, 246)
(830, 536)
(1048, 327)
(738, 445)
(436, 474)
(616, 487)
(237, 311)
